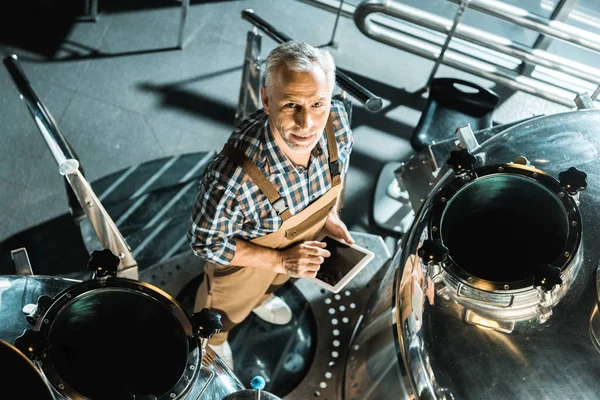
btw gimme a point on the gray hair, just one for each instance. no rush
(299, 57)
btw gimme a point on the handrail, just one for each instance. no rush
(68, 166)
(466, 62)
(54, 138)
(372, 102)
(526, 19)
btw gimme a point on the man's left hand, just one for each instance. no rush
(336, 228)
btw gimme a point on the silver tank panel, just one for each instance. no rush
(213, 381)
(428, 340)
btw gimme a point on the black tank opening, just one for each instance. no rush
(118, 343)
(498, 227)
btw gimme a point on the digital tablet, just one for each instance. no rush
(345, 262)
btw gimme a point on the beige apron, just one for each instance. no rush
(234, 291)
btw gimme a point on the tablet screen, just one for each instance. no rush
(343, 258)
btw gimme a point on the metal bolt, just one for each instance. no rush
(470, 279)
(192, 367)
(61, 386)
(500, 169)
(567, 254)
(573, 223)
(443, 199)
(506, 287)
(46, 320)
(68, 295)
(172, 395)
(435, 228)
(90, 204)
(535, 174)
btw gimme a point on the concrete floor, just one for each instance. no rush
(122, 94)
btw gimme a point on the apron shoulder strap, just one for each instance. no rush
(334, 163)
(259, 179)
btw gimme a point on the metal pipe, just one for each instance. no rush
(60, 149)
(372, 102)
(454, 59)
(524, 18)
(491, 41)
(68, 166)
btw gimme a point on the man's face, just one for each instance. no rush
(298, 107)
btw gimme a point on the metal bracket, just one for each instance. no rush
(21, 260)
(583, 101)
(467, 139)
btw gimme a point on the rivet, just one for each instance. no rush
(435, 228)
(561, 194)
(535, 174)
(443, 199)
(573, 223)
(46, 320)
(61, 386)
(68, 295)
(172, 395)
(506, 287)
(192, 367)
(500, 169)
(567, 254)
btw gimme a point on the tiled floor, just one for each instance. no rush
(122, 94)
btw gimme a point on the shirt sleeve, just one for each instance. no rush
(343, 134)
(216, 220)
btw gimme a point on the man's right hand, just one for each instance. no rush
(304, 259)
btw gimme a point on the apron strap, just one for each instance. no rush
(259, 179)
(334, 163)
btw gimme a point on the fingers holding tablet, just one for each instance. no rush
(304, 259)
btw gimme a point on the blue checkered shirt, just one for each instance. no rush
(231, 206)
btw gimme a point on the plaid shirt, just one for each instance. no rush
(230, 205)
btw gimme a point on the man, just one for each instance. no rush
(276, 184)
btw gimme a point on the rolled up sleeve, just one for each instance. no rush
(215, 222)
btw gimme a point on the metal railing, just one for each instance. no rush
(381, 20)
(372, 102)
(68, 166)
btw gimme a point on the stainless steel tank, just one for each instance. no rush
(112, 338)
(494, 292)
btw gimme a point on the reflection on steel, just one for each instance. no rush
(249, 100)
(383, 33)
(68, 166)
(474, 324)
(373, 103)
